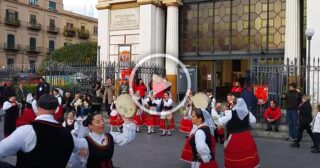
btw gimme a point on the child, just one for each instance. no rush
(217, 113)
(85, 106)
(115, 117)
(70, 122)
(58, 116)
(316, 131)
(76, 103)
(138, 118)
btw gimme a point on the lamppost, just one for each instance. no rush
(309, 33)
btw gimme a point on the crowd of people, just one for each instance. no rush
(75, 128)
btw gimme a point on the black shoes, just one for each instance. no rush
(295, 145)
(269, 129)
(276, 130)
(315, 151)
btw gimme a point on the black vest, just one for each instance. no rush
(69, 127)
(100, 156)
(53, 148)
(195, 155)
(10, 116)
(235, 125)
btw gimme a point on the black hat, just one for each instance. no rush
(48, 102)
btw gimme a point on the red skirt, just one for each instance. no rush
(27, 117)
(187, 156)
(116, 120)
(241, 151)
(151, 120)
(138, 119)
(166, 124)
(185, 125)
(59, 113)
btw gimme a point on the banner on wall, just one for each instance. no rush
(124, 56)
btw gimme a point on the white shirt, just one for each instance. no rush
(24, 139)
(201, 147)
(7, 105)
(128, 135)
(223, 120)
(34, 106)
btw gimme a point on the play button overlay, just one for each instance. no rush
(159, 84)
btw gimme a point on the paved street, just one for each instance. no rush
(154, 151)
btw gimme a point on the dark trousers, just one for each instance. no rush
(107, 108)
(301, 130)
(276, 124)
(317, 139)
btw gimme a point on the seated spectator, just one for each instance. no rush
(85, 106)
(76, 103)
(273, 116)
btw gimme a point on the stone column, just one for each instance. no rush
(103, 30)
(292, 34)
(172, 43)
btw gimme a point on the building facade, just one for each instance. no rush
(31, 29)
(222, 38)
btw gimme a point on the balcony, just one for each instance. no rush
(12, 22)
(53, 29)
(11, 47)
(33, 49)
(83, 34)
(34, 26)
(69, 32)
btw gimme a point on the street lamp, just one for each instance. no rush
(309, 33)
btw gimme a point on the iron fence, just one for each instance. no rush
(80, 76)
(277, 78)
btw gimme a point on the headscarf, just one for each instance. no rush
(241, 108)
(208, 120)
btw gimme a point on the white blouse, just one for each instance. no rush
(223, 120)
(201, 147)
(128, 135)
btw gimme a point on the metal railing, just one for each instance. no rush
(34, 49)
(34, 25)
(12, 22)
(14, 47)
(53, 29)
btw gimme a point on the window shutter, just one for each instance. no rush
(16, 15)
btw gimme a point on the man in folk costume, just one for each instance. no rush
(199, 148)
(11, 108)
(212, 101)
(240, 149)
(166, 121)
(28, 115)
(43, 143)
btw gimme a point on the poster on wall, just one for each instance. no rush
(124, 56)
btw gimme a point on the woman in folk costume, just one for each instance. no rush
(240, 149)
(217, 113)
(70, 122)
(28, 115)
(138, 118)
(186, 121)
(166, 121)
(115, 117)
(58, 116)
(98, 147)
(200, 146)
(151, 118)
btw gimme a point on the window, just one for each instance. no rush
(10, 61)
(52, 5)
(51, 45)
(32, 63)
(33, 2)
(11, 15)
(95, 30)
(236, 65)
(10, 41)
(52, 23)
(83, 28)
(69, 26)
(33, 19)
(33, 44)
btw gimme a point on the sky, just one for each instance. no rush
(84, 7)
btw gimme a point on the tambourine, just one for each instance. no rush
(200, 100)
(126, 106)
